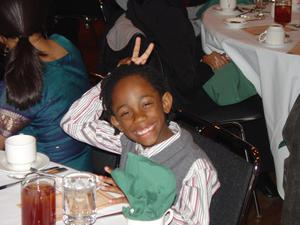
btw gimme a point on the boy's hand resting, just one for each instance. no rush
(215, 60)
(111, 186)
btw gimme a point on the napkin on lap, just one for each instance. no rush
(149, 187)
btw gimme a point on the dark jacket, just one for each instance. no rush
(165, 23)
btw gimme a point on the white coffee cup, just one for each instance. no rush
(20, 151)
(160, 221)
(274, 35)
(227, 5)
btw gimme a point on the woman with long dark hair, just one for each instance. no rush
(42, 77)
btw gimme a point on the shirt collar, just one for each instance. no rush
(151, 151)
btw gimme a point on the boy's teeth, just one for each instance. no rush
(143, 131)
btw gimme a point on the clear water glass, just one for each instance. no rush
(79, 203)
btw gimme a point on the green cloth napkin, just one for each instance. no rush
(149, 187)
(214, 2)
(229, 86)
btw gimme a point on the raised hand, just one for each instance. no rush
(135, 58)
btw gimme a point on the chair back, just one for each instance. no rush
(229, 205)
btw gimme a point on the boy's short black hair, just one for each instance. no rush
(155, 78)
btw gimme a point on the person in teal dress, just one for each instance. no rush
(42, 78)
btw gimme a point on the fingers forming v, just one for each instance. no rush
(141, 60)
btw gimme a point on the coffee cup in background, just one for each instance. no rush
(227, 5)
(274, 35)
(20, 151)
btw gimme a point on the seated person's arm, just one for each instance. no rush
(192, 206)
(215, 60)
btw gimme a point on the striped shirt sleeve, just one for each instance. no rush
(82, 122)
(199, 185)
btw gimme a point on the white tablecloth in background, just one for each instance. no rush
(10, 212)
(274, 73)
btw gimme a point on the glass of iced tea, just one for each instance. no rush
(38, 200)
(79, 203)
(283, 11)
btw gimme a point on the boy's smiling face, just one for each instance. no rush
(139, 111)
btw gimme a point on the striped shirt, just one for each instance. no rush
(201, 182)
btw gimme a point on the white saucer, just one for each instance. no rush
(235, 22)
(40, 162)
(286, 41)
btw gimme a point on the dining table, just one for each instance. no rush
(273, 70)
(10, 208)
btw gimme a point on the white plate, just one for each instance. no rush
(40, 162)
(225, 13)
(111, 210)
(235, 23)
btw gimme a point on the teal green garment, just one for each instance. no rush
(82, 162)
(149, 187)
(229, 86)
(214, 2)
(64, 81)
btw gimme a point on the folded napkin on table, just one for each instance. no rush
(149, 187)
(256, 30)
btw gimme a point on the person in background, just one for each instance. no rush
(166, 24)
(42, 78)
(136, 101)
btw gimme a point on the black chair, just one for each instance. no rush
(237, 172)
(234, 118)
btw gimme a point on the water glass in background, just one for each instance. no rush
(79, 203)
(283, 12)
(227, 5)
(38, 200)
(259, 4)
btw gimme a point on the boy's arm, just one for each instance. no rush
(82, 122)
(192, 206)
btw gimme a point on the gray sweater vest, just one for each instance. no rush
(178, 156)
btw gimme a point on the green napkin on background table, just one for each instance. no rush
(149, 187)
(229, 86)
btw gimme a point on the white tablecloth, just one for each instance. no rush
(10, 211)
(274, 73)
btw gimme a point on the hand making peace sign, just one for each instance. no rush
(135, 58)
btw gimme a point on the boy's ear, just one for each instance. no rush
(3, 40)
(115, 123)
(167, 102)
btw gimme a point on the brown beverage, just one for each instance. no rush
(38, 204)
(283, 13)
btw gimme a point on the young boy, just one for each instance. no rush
(136, 102)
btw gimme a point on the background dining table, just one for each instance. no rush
(10, 210)
(274, 71)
